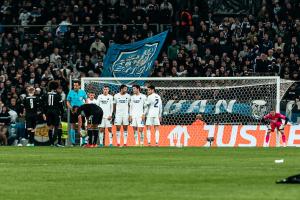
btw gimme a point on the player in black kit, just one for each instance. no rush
(52, 111)
(93, 115)
(31, 106)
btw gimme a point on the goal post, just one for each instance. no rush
(219, 100)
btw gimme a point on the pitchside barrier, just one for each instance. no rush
(197, 133)
(231, 108)
(224, 136)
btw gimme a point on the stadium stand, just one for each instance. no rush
(51, 40)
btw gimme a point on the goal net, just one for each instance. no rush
(243, 100)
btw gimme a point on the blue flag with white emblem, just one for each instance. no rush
(133, 60)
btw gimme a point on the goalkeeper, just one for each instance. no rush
(93, 115)
(275, 120)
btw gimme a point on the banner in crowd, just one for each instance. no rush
(133, 60)
(196, 135)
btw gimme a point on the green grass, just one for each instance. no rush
(147, 173)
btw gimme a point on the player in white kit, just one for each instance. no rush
(121, 108)
(105, 101)
(153, 113)
(91, 98)
(136, 115)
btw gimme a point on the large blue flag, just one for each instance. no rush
(133, 60)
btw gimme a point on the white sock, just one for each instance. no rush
(101, 137)
(156, 136)
(142, 137)
(136, 137)
(125, 137)
(149, 136)
(110, 137)
(118, 137)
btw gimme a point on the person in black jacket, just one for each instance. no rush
(52, 112)
(31, 107)
(4, 123)
(93, 115)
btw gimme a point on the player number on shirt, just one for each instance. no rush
(50, 100)
(31, 103)
(156, 103)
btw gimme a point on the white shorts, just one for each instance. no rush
(152, 121)
(121, 121)
(137, 122)
(105, 123)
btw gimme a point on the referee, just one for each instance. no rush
(76, 98)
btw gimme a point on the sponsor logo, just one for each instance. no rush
(41, 133)
(122, 101)
(255, 108)
(225, 136)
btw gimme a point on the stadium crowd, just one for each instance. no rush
(199, 43)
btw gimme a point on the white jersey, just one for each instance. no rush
(122, 104)
(89, 101)
(137, 105)
(106, 103)
(154, 105)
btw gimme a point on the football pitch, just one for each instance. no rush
(147, 173)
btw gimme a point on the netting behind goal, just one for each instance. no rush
(219, 101)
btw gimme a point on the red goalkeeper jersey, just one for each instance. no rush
(277, 118)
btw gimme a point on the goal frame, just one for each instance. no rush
(276, 78)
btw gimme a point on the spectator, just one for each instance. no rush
(54, 57)
(152, 11)
(190, 44)
(279, 44)
(293, 47)
(252, 34)
(265, 44)
(166, 10)
(262, 63)
(24, 17)
(244, 52)
(47, 76)
(36, 15)
(98, 46)
(270, 55)
(5, 119)
(173, 50)
(63, 27)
